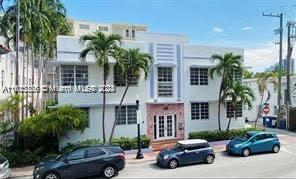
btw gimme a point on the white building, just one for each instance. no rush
(177, 98)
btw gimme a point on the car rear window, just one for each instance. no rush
(115, 149)
(94, 152)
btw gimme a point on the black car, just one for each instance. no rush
(83, 161)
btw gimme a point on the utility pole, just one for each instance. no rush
(280, 31)
(291, 37)
(17, 44)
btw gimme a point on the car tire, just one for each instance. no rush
(246, 152)
(276, 149)
(173, 163)
(210, 159)
(51, 175)
(109, 171)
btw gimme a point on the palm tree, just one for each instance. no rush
(225, 68)
(238, 93)
(262, 81)
(41, 22)
(104, 47)
(130, 63)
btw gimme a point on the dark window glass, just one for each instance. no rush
(78, 154)
(95, 152)
(238, 112)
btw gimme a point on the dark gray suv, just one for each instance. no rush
(83, 161)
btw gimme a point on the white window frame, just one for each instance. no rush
(128, 117)
(74, 82)
(165, 87)
(238, 112)
(201, 112)
(196, 77)
(84, 26)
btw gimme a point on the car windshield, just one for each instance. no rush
(178, 147)
(245, 137)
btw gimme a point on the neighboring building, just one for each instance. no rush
(177, 98)
(127, 31)
(284, 66)
(272, 102)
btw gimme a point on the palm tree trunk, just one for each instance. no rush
(118, 112)
(27, 76)
(260, 109)
(228, 125)
(104, 107)
(32, 74)
(229, 121)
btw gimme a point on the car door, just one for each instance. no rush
(258, 143)
(191, 154)
(95, 160)
(74, 165)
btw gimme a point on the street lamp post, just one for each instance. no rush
(139, 153)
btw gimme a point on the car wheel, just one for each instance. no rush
(109, 171)
(246, 152)
(51, 175)
(210, 159)
(276, 148)
(173, 164)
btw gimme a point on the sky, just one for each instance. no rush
(237, 23)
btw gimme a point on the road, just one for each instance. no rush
(255, 166)
(225, 166)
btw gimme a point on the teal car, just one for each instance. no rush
(254, 142)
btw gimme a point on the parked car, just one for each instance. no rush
(254, 142)
(186, 152)
(4, 167)
(84, 161)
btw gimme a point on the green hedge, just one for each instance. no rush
(220, 135)
(126, 143)
(20, 158)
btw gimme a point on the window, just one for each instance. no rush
(237, 75)
(95, 152)
(133, 33)
(86, 110)
(84, 26)
(128, 115)
(74, 75)
(120, 80)
(78, 154)
(198, 76)
(127, 33)
(2, 78)
(103, 28)
(81, 73)
(238, 112)
(165, 81)
(199, 111)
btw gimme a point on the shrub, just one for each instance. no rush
(126, 143)
(20, 158)
(221, 135)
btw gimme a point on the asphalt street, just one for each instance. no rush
(270, 165)
(255, 166)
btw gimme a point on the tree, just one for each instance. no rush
(41, 22)
(238, 93)
(104, 47)
(55, 122)
(225, 68)
(129, 65)
(248, 74)
(262, 81)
